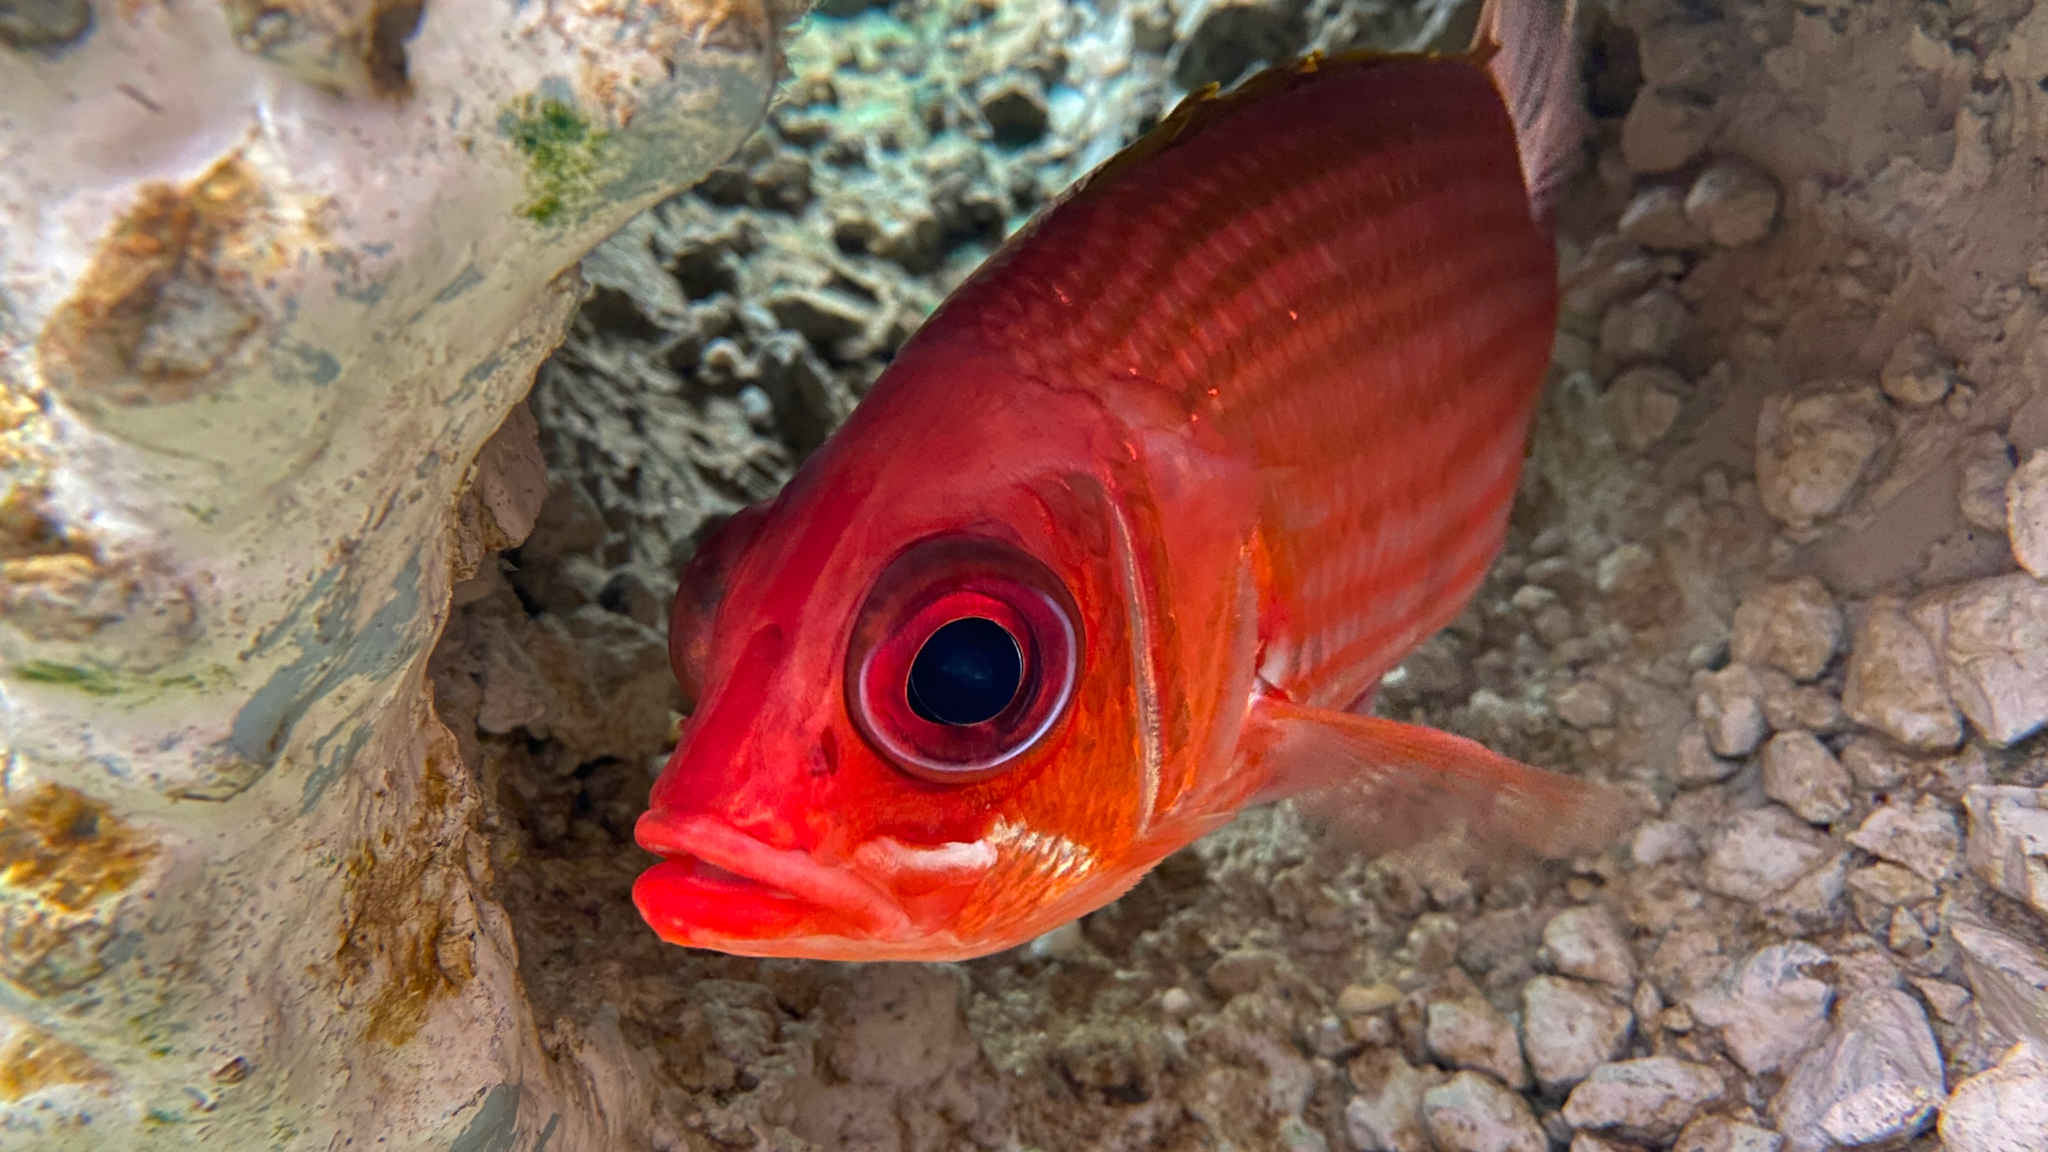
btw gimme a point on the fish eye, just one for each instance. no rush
(962, 659)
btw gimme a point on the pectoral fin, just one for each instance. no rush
(1391, 784)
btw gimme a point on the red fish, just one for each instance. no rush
(1124, 538)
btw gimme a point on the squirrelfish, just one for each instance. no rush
(1125, 537)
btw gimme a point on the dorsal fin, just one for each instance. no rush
(1528, 47)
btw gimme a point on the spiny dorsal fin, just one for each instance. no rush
(1528, 47)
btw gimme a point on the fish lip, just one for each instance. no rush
(786, 873)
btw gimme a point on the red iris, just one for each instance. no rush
(963, 657)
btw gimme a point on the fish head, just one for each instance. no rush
(919, 731)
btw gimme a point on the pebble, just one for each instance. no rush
(1659, 841)
(1894, 681)
(1993, 639)
(1648, 1100)
(1386, 1114)
(2008, 978)
(2008, 846)
(1366, 999)
(1610, 269)
(1813, 448)
(1695, 763)
(1569, 1028)
(2002, 1109)
(1645, 327)
(2026, 514)
(1720, 1134)
(1916, 374)
(1066, 942)
(1759, 854)
(1655, 218)
(1944, 999)
(1789, 706)
(1587, 942)
(1876, 890)
(1987, 467)
(1801, 774)
(1877, 1078)
(1643, 403)
(1873, 764)
(1793, 626)
(1733, 202)
(1242, 969)
(1922, 838)
(1731, 711)
(1176, 1003)
(1814, 902)
(1471, 1033)
(1585, 704)
(1664, 130)
(824, 318)
(1769, 1008)
(1470, 1113)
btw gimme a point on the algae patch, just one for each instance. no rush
(562, 152)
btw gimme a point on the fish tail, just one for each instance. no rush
(1528, 47)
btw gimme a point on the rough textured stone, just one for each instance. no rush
(1922, 837)
(1792, 626)
(2002, 1109)
(1694, 761)
(1586, 704)
(1386, 1115)
(1760, 854)
(1916, 374)
(1801, 774)
(1643, 402)
(1894, 682)
(2026, 514)
(1644, 327)
(1649, 1099)
(1664, 130)
(2008, 978)
(1993, 639)
(1470, 1113)
(1877, 1078)
(1987, 467)
(2008, 845)
(1770, 1008)
(1655, 218)
(1813, 448)
(1472, 1034)
(1720, 1134)
(1731, 711)
(1569, 1029)
(1733, 202)
(1587, 942)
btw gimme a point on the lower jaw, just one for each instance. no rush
(689, 903)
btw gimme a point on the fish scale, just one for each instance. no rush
(1348, 282)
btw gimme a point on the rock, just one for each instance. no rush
(1471, 1113)
(1386, 1115)
(1877, 1078)
(1472, 1034)
(1569, 1029)
(1814, 902)
(1658, 841)
(2002, 1109)
(1792, 626)
(1176, 1003)
(1894, 681)
(1643, 403)
(1588, 943)
(1922, 838)
(827, 319)
(1644, 328)
(2008, 846)
(1366, 999)
(2026, 514)
(1874, 764)
(1770, 1008)
(1664, 130)
(1221, 39)
(1789, 706)
(1987, 468)
(1695, 763)
(906, 1029)
(1759, 854)
(1015, 109)
(1655, 218)
(1720, 1134)
(1993, 639)
(1801, 774)
(1733, 202)
(1585, 704)
(1813, 448)
(1648, 1100)
(1730, 710)
(2008, 978)
(783, 184)
(1916, 374)
(1241, 970)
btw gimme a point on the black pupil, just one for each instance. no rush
(967, 672)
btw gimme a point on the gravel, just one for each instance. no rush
(1793, 626)
(1646, 1100)
(1894, 681)
(1878, 1078)
(2002, 1109)
(1801, 774)
(1570, 1028)
(1471, 1113)
(1769, 1008)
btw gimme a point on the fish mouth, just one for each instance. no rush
(718, 887)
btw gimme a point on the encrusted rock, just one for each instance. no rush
(1470, 1033)
(1813, 447)
(2026, 514)
(1645, 327)
(1694, 762)
(1877, 1078)
(1916, 374)
(1585, 704)
(1241, 970)
(1987, 468)
(2008, 978)
(2001, 1108)
(1993, 639)
(1760, 854)
(1894, 681)
(1655, 218)
(1470, 1113)
(1770, 1008)
(1733, 202)
(2008, 846)
(1386, 1115)
(1792, 626)
(1568, 1029)
(1922, 837)
(1648, 1100)
(1643, 403)
(1801, 774)
(1731, 711)
(1587, 942)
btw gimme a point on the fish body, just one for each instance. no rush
(1128, 532)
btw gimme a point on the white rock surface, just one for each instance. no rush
(2008, 845)
(1731, 710)
(1770, 1008)
(1471, 1033)
(273, 275)
(1878, 1077)
(1471, 1113)
(1922, 838)
(1894, 681)
(1720, 1134)
(1648, 1100)
(1793, 626)
(1993, 639)
(1801, 774)
(2008, 978)
(1569, 1028)
(1761, 853)
(2001, 1109)
(2026, 514)
(1588, 942)
(1813, 448)
(1733, 202)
